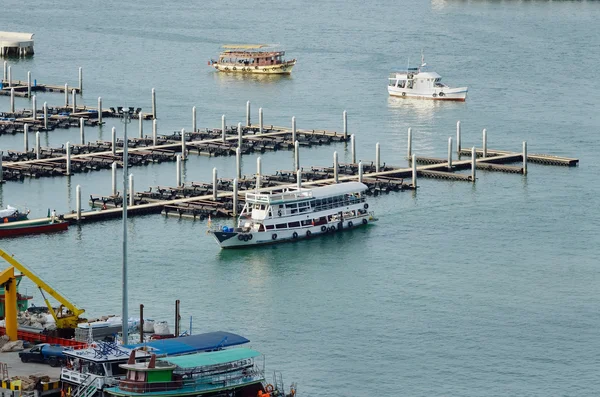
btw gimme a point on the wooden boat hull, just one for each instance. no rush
(34, 228)
(283, 68)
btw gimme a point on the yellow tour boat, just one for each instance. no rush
(252, 58)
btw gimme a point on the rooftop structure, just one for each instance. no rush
(16, 44)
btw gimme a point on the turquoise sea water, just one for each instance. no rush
(489, 289)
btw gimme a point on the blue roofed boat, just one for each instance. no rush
(191, 344)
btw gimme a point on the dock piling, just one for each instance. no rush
(9, 76)
(484, 143)
(260, 120)
(377, 156)
(34, 107)
(258, 172)
(80, 79)
(154, 132)
(473, 163)
(458, 137)
(414, 171)
(12, 100)
(28, 84)
(81, 129)
(194, 125)
(26, 137)
(214, 184)
(114, 179)
(223, 126)
(66, 95)
(78, 194)
(99, 110)
(409, 147)
(5, 70)
(335, 167)
(299, 179)
(294, 129)
(131, 195)
(178, 170)
(450, 153)
(37, 145)
(235, 196)
(353, 148)
(360, 172)
(240, 137)
(183, 149)
(74, 100)
(154, 104)
(68, 148)
(141, 127)
(524, 157)
(296, 155)
(114, 141)
(238, 162)
(1, 154)
(345, 117)
(45, 115)
(248, 124)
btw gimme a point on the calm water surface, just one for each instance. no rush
(489, 289)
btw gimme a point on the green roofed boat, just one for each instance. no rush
(231, 372)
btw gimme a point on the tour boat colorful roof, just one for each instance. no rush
(244, 46)
(192, 343)
(211, 358)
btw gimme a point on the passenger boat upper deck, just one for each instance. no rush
(252, 58)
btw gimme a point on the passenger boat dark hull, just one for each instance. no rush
(33, 228)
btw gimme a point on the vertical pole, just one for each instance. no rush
(294, 129)
(414, 171)
(154, 132)
(125, 301)
(215, 184)
(223, 128)
(473, 163)
(524, 157)
(5, 70)
(141, 128)
(37, 145)
(154, 104)
(183, 149)
(260, 120)
(66, 95)
(194, 125)
(360, 172)
(177, 317)
(74, 100)
(258, 172)
(235, 196)
(26, 137)
(80, 79)
(114, 141)
(34, 107)
(450, 153)
(45, 115)
(78, 202)
(377, 157)
(1, 170)
(178, 170)
(114, 179)
(299, 179)
(12, 100)
(458, 137)
(409, 148)
(9, 76)
(99, 110)
(345, 117)
(240, 139)
(484, 143)
(353, 148)
(28, 84)
(238, 162)
(335, 167)
(296, 156)
(81, 130)
(141, 323)
(248, 124)
(68, 147)
(131, 191)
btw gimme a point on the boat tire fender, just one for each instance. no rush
(332, 228)
(234, 68)
(364, 221)
(274, 236)
(442, 94)
(366, 206)
(250, 237)
(434, 94)
(240, 237)
(323, 228)
(350, 224)
(308, 233)
(295, 235)
(404, 94)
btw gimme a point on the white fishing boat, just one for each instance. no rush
(422, 83)
(296, 213)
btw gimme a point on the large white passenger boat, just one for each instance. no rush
(297, 213)
(420, 83)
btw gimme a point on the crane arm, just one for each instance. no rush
(41, 284)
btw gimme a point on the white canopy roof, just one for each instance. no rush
(337, 189)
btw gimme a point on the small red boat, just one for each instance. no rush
(33, 226)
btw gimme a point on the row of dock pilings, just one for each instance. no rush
(7, 76)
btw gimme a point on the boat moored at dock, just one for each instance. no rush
(252, 58)
(294, 214)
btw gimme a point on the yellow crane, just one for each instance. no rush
(67, 314)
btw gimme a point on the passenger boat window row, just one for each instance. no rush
(317, 221)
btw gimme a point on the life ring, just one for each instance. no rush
(234, 68)
(294, 235)
(350, 224)
(323, 228)
(243, 69)
(366, 206)
(364, 221)
(308, 233)
(269, 388)
(256, 67)
(240, 237)
(442, 94)
(279, 213)
(274, 236)
(434, 94)
(226, 69)
(404, 94)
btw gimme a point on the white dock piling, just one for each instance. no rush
(235, 196)
(12, 100)
(194, 125)
(214, 184)
(82, 130)
(114, 179)
(248, 124)
(183, 148)
(223, 128)
(524, 157)
(80, 79)
(345, 119)
(353, 148)
(34, 107)
(26, 137)
(377, 156)
(1, 154)
(360, 172)
(68, 147)
(45, 115)
(141, 126)
(178, 171)
(238, 162)
(28, 84)
(296, 156)
(473, 163)
(154, 104)
(114, 141)
(37, 145)
(131, 191)
(299, 179)
(335, 167)
(409, 146)
(66, 95)
(294, 129)
(458, 136)
(78, 202)
(5, 70)
(414, 171)
(74, 100)
(99, 110)
(450, 153)
(484, 143)
(9, 76)
(260, 120)
(154, 132)
(240, 138)
(258, 172)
